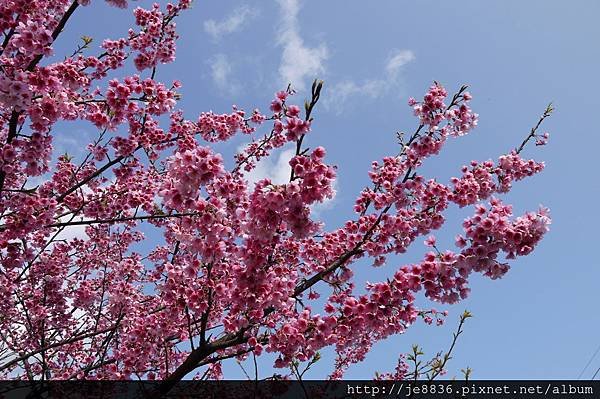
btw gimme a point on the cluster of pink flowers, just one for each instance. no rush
(155, 43)
(490, 230)
(316, 178)
(287, 126)
(431, 110)
(32, 38)
(462, 119)
(444, 276)
(542, 139)
(114, 56)
(278, 104)
(400, 372)
(474, 185)
(187, 171)
(302, 338)
(15, 92)
(511, 167)
(34, 153)
(158, 99)
(221, 127)
(483, 179)
(295, 128)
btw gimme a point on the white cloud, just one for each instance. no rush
(348, 88)
(71, 232)
(233, 23)
(298, 62)
(397, 61)
(371, 88)
(278, 171)
(72, 143)
(221, 70)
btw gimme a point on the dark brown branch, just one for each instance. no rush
(88, 369)
(14, 118)
(12, 133)
(439, 367)
(308, 107)
(532, 134)
(264, 141)
(306, 284)
(120, 220)
(91, 177)
(225, 357)
(206, 314)
(56, 32)
(54, 345)
(197, 356)
(7, 38)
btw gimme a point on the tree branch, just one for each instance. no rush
(54, 345)
(120, 220)
(56, 32)
(547, 112)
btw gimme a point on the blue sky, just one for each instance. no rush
(541, 320)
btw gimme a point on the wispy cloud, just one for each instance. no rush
(276, 168)
(236, 21)
(71, 232)
(397, 60)
(371, 88)
(298, 62)
(74, 143)
(221, 72)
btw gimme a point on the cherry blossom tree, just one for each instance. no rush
(239, 269)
